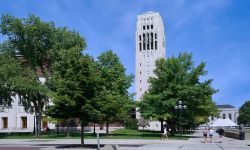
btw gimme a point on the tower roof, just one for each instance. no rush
(149, 12)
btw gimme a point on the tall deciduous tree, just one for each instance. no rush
(178, 79)
(74, 81)
(39, 44)
(244, 114)
(114, 99)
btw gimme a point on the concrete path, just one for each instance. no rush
(196, 142)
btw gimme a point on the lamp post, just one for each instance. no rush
(180, 106)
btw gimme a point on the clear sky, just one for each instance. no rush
(215, 31)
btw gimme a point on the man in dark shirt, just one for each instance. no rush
(221, 133)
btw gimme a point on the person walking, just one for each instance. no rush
(205, 132)
(221, 133)
(165, 134)
(211, 133)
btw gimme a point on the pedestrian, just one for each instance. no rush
(205, 132)
(211, 133)
(221, 133)
(165, 134)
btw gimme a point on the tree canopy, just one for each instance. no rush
(37, 45)
(113, 98)
(177, 79)
(244, 114)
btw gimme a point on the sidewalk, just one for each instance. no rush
(196, 142)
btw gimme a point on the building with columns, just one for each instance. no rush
(150, 46)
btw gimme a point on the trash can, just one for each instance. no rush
(242, 135)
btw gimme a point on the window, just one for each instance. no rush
(140, 64)
(5, 122)
(147, 41)
(151, 26)
(152, 42)
(212, 118)
(155, 35)
(230, 116)
(144, 41)
(143, 27)
(224, 116)
(147, 26)
(140, 46)
(140, 89)
(155, 44)
(139, 37)
(140, 72)
(24, 122)
(140, 81)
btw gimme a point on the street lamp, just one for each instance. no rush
(180, 106)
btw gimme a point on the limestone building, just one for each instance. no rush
(150, 46)
(225, 111)
(15, 119)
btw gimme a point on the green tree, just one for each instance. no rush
(73, 83)
(114, 100)
(9, 69)
(39, 44)
(244, 114)
(178, 79)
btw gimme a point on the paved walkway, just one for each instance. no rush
(195, 142)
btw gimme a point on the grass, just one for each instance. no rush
(117, 134)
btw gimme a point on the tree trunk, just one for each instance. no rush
(161, 126)
(67, 128)
(172, 125)
(94, 127)
(107, 128)
(57, 128)
(82, 135)
(39, 123)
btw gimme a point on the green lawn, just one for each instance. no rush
(117, 134)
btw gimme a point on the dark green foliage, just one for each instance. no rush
(131, 124)
(244, 114)
(178, 79)
(39, 44)
(113, 99)
(8, 72)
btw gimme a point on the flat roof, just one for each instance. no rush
(225, 106)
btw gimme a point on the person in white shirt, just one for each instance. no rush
(211, 133)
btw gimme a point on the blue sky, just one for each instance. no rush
(215, 31)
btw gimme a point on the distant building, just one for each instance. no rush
(150, 46)
(226, 111)
(15, 119)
